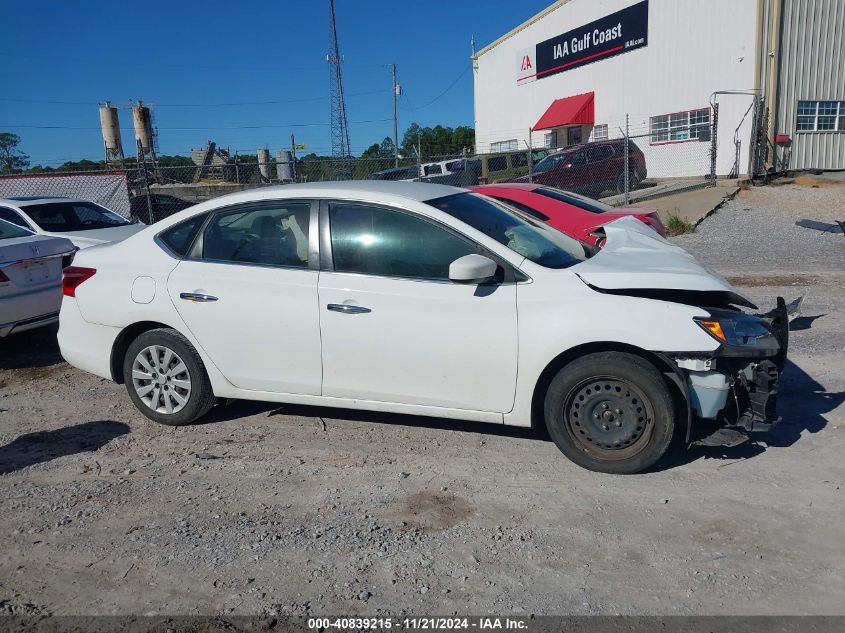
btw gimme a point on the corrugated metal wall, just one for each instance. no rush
(812, 67)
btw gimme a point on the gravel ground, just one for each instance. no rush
(295, 510)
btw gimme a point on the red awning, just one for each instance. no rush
(568, 111)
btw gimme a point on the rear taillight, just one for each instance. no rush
(73, 276)
(3, 277)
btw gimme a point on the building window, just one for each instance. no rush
(504, 146)
(600, 132)
(692, 125)
(821, 116)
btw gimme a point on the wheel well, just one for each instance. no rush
(122, 343)
(662, 364)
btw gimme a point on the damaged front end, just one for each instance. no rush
(735, 387)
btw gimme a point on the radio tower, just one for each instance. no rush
(339, 126)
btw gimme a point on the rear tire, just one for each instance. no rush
(610, 412)
(633, 181)
(166, 378)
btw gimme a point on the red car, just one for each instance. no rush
(575, 215)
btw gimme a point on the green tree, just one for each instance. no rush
(11, 158)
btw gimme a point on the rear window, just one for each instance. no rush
(9, 230)
(180, 237)
(582, 202)
(524, 208)
(61, 217)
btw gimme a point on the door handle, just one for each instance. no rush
(345, 308)
(196, 297)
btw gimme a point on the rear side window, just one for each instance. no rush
(377, 241)
(270, 234)
(600, 153)
(8, 231)
(519, 160)
(180, 237)
(497, 163)
(11, 216)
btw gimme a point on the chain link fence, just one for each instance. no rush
(621, 162)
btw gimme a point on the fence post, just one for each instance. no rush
(530, 157)
(713, 144)
(143, 164)
(627, 196)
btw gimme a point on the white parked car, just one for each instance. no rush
(83, 222)
(30, 278)
(422, 299)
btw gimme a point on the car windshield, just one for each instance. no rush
(61, 217)
(533, 240)
(9, 230)
(582, 202)
(549, 163)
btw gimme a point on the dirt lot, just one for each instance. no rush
(294, 510)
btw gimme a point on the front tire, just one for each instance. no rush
(610, 412)
(166, 379)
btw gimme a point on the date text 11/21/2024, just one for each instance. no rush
(419, 623)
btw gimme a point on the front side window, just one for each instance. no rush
(525, 236)
(62, 217)
(691, 125)
(821, 116)
(377, 241)
(274, 234)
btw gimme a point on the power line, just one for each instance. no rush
(179, 129)
(158, 65)
(198, 105)
(451, 85)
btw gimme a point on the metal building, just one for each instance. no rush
(670, 72)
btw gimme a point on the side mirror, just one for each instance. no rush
(472, 269)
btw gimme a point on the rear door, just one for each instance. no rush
(395, 329)
(601, 168)
(248, 293)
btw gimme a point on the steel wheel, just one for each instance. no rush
(608, 418)
(161, 379)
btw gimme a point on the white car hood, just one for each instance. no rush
(635, 257)
(84, 239)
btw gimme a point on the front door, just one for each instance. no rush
(248, 293)
(395, 329)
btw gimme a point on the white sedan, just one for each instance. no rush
(422, 299)
(83, 222)
(30, 278)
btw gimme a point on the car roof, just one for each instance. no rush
(418, 191)
(26, 201)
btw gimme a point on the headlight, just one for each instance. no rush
(738, 329)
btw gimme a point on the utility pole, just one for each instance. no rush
(396, 91)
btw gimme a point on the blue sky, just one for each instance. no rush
(183, 56)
